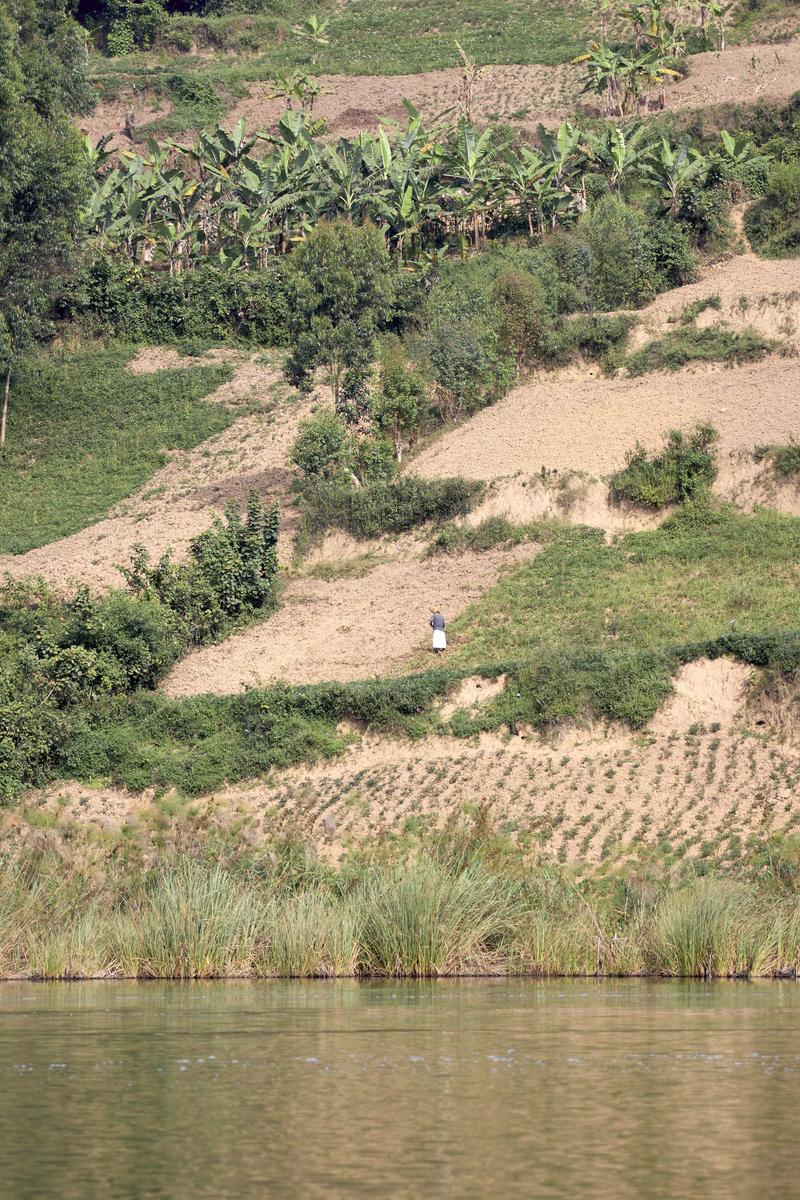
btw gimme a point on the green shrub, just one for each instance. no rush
(690, 312)
(231, 570)
(392, 507)
(491, 532)
(684, 470)
(785, 460)
(689, 344)
(323, 447)
(520, 299)
(467, 364)
(61, 660)
(109, 294)
(773, 223)
(631, 256)
(599, 338)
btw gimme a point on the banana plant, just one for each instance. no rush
(563, 152)
(619, 156)
(469, 171)
(673, 170)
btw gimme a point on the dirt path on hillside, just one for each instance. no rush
(525, 95)
(181, 499)
(345, 628)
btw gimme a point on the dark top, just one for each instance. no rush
(437, 621)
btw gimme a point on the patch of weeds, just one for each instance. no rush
(688, 345)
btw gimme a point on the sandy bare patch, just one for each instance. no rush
(569, 496)
(591, 425)
(109, 117)
(764, 293)
(148, 359)
(472, 694)
(181, 499)
(707, 692)
(344, 629)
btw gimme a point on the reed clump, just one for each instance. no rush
(450, 907)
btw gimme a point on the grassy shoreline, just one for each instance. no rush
(465, 904)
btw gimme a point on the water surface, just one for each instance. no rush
(453, 1088)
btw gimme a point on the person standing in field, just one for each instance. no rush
(437, 624)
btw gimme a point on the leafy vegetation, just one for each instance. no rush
(70, 456)
(426, 186)
(773, 223)
(365, 38)
(61, 658)
(700, 573)
(393, 506)
(468, 902)
(488, 534)
(683, 471)
(688, 344)
(107, 294)
(785, 460)
(44, 178)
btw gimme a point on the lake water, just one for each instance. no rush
(465, 1088)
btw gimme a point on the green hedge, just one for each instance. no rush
(385, 507)
(109, 295)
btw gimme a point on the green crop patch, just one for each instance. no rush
(84, 432)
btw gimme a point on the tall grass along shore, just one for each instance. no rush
(462, 905)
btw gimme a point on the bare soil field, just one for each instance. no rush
(523, 95)
(712, 769)
(590, 424)
(344, 629)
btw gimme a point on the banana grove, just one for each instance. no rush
(236, 198)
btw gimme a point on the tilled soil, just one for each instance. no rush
(526, 95)
(590, 424)
(344, 629)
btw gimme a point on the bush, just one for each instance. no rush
(490, 533)
(683, 471)
(231, 570)
(323, 447)
(773, 223)
(632, 257)
(380, 508)
(689, 344)
(467, 364)
(785, 460)
(109, 294)
(520, 299)
(61, 661)
(599, 338)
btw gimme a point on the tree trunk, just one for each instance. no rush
(4, 417)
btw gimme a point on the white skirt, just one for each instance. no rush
(439, 639)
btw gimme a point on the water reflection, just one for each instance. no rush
(456, 1088)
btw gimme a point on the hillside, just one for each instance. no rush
(621, 670)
